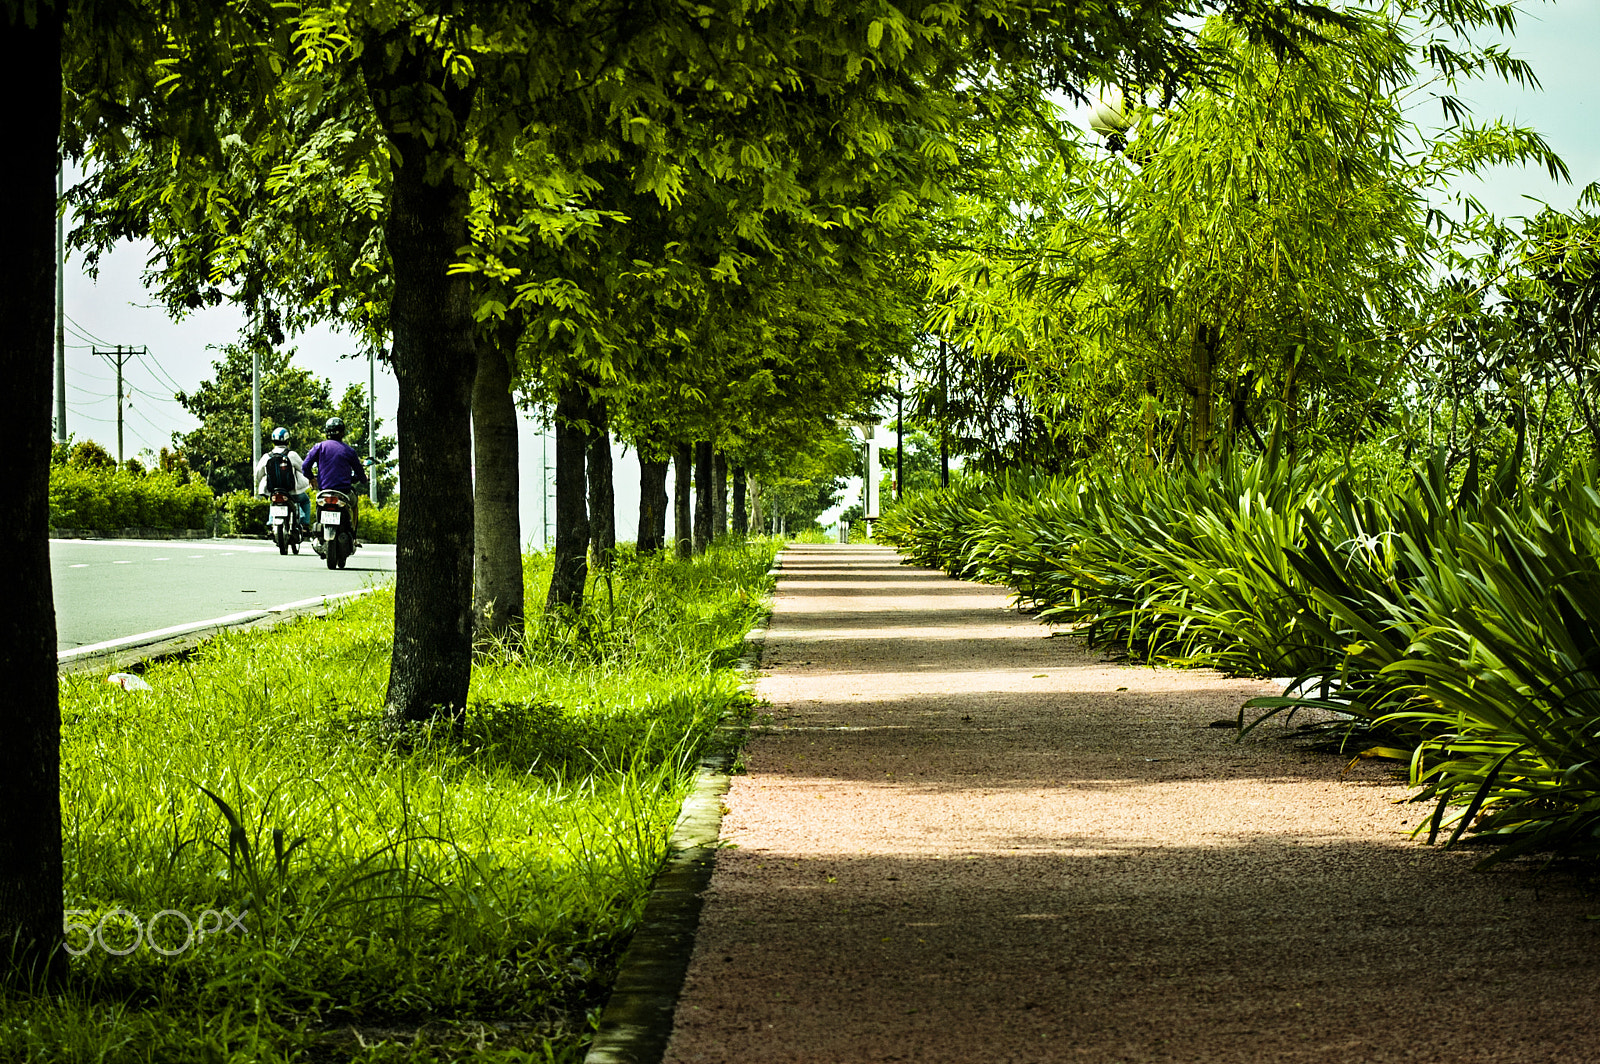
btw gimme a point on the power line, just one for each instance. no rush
(85, 333)
(150, 424)
(92, 376)
(155, 398)
(155, 367)
(85, 337)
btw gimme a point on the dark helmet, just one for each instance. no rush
(334, 429)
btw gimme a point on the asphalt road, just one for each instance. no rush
(108, 589)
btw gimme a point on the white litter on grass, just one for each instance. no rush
(128, 681)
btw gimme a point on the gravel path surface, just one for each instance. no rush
(964, 839)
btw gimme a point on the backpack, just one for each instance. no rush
(280, 473)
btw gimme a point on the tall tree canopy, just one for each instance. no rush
(1259, 246)
(327, 159)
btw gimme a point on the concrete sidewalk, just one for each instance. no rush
(964, 839)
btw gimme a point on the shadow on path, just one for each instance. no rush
(961, 839)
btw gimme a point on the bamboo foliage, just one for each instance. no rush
(1258, 247)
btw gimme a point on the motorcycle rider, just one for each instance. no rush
(337, 467)
(281, 445)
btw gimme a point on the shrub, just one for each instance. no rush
(379, 524)
(244, 513)
(106, 499)
(86, 454)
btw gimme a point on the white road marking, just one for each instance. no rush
(240, 547)
(80, 565)
(121, 561)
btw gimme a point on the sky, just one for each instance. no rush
(1561, 40)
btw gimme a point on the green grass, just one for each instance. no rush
(471, 892)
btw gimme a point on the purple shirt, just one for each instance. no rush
(338, 466)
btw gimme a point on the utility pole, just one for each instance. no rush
(61, 322)
(544, 490)
(255, 405)
(118, 357)
(372, 430)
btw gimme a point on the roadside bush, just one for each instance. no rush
(106, 499)
(380, 523)
(86, 454)
(244, 513)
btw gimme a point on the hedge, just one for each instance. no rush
(106, 500)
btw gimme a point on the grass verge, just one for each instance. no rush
(255, 872)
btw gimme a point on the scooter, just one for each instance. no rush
(334, 531)
(283, 518)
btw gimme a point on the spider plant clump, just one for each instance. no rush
(1452, 620)
(257, 870)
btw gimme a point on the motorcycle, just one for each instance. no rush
(283, 518)
(335, 532)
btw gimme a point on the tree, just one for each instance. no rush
(401, 108)
(1255, 247)
(30, 829)
(573, 423)
(1515, 349)
(497, 588)
(797, 485)
(920, 464)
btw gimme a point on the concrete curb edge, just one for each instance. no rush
(636, 1023)
(172, 642)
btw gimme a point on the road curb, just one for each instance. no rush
(636, 1024)
(181, 639)
(137, 532)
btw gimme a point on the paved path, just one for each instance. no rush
(962, 839)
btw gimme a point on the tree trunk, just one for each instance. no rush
(703, 495)
(1205, 350)
(602, 490)
(758, 512)
(683, 535)
(497, 595)
(653, 503)
(435, 361)
(741, 519)
(719, 495)
(30, 714)
(571, 561)
(1150, 423)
